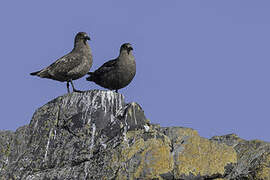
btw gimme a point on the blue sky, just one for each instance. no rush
(200, 64)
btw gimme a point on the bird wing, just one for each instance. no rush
(106, 67)
(65, 64)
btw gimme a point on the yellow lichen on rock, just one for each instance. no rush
(191, 154)
(263, 171)
(156, 159)
(153, 156)
(199, 156)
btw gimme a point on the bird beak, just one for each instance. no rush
(129, 49)
(87, 38)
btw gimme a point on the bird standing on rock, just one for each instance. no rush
(73, 65)
(118, 73)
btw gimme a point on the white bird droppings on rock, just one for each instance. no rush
(146, 128)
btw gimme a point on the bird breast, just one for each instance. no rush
(84, 66)
(126, 71)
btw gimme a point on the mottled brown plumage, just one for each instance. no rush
(72, 66)
(118, 73)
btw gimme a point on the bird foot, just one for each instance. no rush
(75, 90)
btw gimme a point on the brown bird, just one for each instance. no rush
(73, 65)
(118, 73)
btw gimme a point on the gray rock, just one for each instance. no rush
(96, 135)
(65, 135)
(253, 158)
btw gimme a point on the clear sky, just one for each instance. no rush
(200, 64)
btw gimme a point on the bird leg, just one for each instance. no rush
(68, 86)
(75, 90)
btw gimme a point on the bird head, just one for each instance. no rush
(126, 47)
(82, 36)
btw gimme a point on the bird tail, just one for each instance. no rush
(42, 73)
(34, 73)
(90, 78)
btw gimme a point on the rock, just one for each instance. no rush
(253, 158)
(197, 157)
(96, 135)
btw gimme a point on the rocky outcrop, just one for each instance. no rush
(96, 135)
(253, 158)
